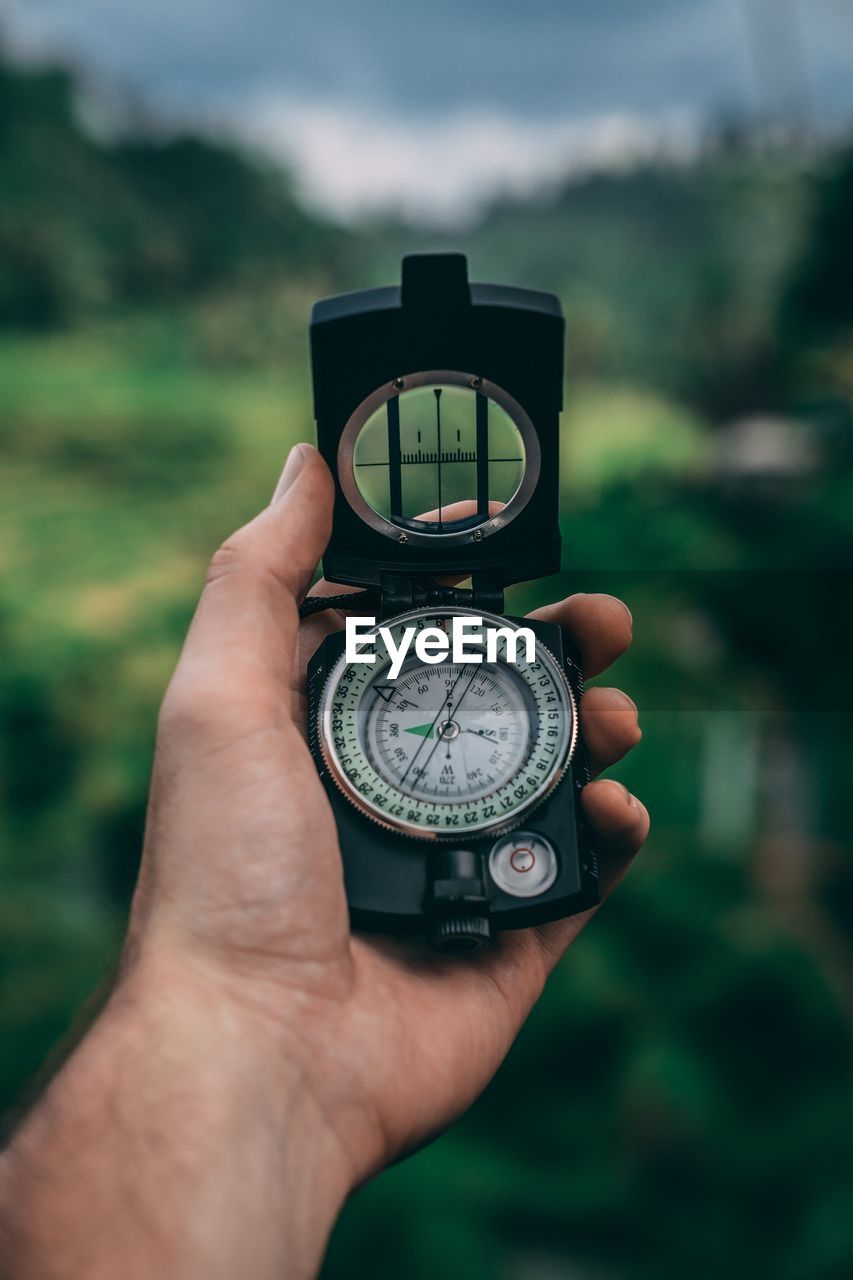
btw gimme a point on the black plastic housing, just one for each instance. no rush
(436, 320)
(362, 343)
(391, 878)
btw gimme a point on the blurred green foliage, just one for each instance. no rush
(84, 224)
(681, 1100)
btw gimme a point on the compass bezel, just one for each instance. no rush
(487, 827)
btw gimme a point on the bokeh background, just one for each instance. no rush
(177, 184)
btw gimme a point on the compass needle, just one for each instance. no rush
(425, 730)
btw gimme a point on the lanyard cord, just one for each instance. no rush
(346, 600)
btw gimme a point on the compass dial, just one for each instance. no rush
(447, 747)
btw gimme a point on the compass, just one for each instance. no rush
(454, 783)
(447, 749)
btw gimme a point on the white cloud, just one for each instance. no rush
(351, 161)
(432, 110)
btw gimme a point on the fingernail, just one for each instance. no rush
(632, 799)
(631, 703)
(295, 463)
(627, 610)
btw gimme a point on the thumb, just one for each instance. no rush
(285, 541)
(244, 630)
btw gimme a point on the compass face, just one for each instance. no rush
(447, 748)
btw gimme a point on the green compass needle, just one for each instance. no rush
(422, 730)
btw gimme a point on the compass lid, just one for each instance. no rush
(437, 404)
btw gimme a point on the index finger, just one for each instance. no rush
(600, 625)
(317, 626)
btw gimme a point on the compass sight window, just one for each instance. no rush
(436, 454)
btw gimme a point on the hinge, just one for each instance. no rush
(400, 593)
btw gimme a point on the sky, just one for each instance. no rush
(430, 108)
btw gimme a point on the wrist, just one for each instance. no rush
(186, 1132)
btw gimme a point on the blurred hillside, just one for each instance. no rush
(696, 278)
(85, 225)
(681, 1101)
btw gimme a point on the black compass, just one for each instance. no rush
(454, 784)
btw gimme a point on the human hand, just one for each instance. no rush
(242, 865)
(240, 919)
